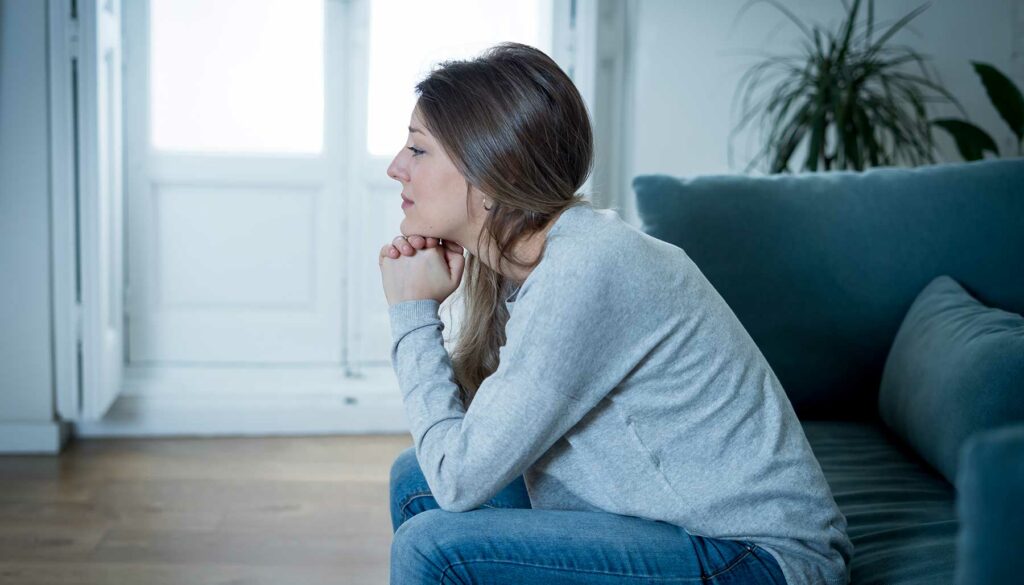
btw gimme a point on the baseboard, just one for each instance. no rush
(188, 415)
(44, 438)
(179, 401)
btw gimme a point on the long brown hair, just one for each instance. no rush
(516, 127)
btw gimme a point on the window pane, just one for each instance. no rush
(408, 37)
(242, 75)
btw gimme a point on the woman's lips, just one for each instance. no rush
(405, 202)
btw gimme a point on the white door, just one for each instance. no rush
(257, 140)
(236, 216)
(99, 157)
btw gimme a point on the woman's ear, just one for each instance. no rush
(479, 201)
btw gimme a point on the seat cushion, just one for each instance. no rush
(955, 368)
(901, 513)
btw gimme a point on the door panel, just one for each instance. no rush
(237, 221)
(98, 117)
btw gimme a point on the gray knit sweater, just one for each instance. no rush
(626, 385)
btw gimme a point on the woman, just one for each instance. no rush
(605, 416)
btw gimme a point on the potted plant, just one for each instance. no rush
(847, 95)
(972, 141)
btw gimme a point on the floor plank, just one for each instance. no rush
(239, 510)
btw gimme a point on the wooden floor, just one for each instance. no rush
(281, 511)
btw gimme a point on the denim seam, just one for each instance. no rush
(645, 577)
(770, 560)
(732, 564)
(696, 555)
(415, 496)
(410, 498)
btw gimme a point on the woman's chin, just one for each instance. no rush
(408, 227)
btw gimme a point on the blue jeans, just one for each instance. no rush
(506, 541)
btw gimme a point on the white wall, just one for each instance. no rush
(687, 67)
(26, 380)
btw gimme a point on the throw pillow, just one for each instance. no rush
(955, 367)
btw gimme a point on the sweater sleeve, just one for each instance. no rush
(561, 358)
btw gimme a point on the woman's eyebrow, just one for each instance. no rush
(411, 130)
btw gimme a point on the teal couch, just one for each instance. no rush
(821, 269)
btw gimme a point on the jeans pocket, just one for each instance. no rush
(718, 555)
(771, 564)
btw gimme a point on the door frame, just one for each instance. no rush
(66, 291)
(598, 47)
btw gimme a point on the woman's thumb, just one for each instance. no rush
(456, 264)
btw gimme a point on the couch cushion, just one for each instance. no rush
(900, 513)
(821, 267)
(956, 367)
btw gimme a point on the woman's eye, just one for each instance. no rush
(415, 151)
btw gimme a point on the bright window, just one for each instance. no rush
(237, 75)
(408, 37)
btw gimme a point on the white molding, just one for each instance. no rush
(279, 170)
(146, 417)
(244, 382)
(626, 167)
(46, 438)
(612, 67)
(99, 160)
(64, 303)
(585, 50)
(598, 54)
(363, 326)
(583, 55)
(218, 401)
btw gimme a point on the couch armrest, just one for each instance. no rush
(990, 506)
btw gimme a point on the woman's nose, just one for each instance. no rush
(394, 170)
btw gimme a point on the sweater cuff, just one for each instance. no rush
(409, 315)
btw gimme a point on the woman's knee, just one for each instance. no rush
(420, 530)
(419, 546)
(404, 465)
(408, 489)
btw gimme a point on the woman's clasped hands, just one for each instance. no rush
(418, 267)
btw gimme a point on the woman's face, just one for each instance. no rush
(436, 188)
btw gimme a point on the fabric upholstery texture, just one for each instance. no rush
(990, 507)
(821, 268)
(901, 514)
(955, 368)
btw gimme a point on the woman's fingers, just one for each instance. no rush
(387, 250)
(401, 244)
(420, 242)
(409, 245)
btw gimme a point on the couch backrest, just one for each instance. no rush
(822, 267)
